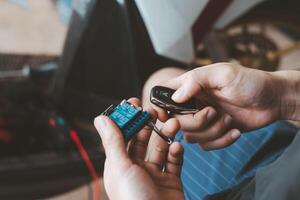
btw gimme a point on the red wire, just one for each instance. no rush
(75, 138)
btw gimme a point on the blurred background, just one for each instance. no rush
(62, 62)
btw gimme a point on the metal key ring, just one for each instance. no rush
(156, 130)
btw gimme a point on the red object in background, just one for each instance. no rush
(52, 122)
(5, 136)
(75, 138)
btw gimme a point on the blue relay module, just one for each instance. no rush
(129, 118)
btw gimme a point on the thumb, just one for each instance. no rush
(187, 89)
(112, 139)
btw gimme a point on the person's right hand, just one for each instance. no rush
(236, 98)
(145, 169)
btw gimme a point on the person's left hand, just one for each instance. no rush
(138, 173)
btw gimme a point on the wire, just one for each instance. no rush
(75, 138)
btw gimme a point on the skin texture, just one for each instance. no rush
(135, 172)
(234, 99)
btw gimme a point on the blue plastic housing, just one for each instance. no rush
(128, 118)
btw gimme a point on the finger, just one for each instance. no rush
(193, 81)
(187, 89)
(214, 131)
(112, 139)
(139, 144)
(222, 142)
(158, 147)
(162, 114)
(174, 159)
(135, 101)
(195, 122)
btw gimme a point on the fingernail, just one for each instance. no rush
(227, 120)
(100, 122)
(235, 134)
(178, 94)
(210, 115)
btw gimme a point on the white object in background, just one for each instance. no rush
(33, 31)
(169, 25)
(15, 74)
(234, 10)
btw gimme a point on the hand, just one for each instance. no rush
(134, 175)
(236, 98)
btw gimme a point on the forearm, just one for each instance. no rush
(289, 84)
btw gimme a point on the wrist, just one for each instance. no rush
(288, 84)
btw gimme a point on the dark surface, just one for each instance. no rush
(38, 160)
(43, 175)
(108, 56)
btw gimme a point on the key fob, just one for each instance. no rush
(161, 97)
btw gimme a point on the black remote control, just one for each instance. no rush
(161, 97)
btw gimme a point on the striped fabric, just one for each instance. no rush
(209, 172)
